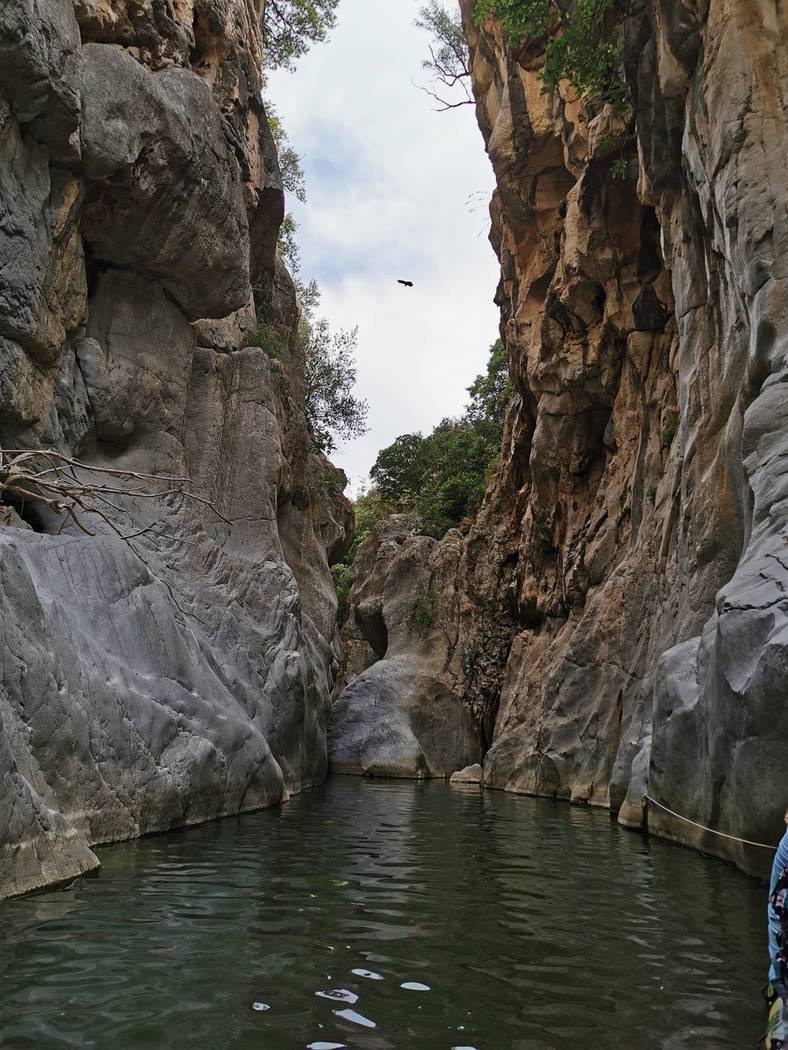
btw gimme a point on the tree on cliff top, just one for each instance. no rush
(290, 27)
(582, 41)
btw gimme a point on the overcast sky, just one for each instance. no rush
(394, 190)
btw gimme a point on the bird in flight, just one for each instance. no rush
(408, 284)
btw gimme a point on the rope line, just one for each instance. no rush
(723, 834)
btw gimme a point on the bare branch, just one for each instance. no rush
(449, 62)
(53, 480)
(443, 104)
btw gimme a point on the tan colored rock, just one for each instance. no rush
(645, 330)
(620, 602)
(469, 775)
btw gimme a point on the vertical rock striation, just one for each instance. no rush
(644, 463)
(183, 674)
(618, 613)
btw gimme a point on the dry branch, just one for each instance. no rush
(73, 489)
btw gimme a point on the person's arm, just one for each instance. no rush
(777, 971)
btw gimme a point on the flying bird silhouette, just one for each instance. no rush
(408, 284)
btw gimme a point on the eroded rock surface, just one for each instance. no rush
(646, 330)
(617, 614)
(182, 673)
(403, 716)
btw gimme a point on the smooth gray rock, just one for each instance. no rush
(172, 679)
(403, 715)
(182, 672)
(43, 291)
(165, 194)
(395, 720)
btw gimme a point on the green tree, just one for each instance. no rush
(288, 246)
(333, 412)
(400, 469)
(442, 477)
(490, 391)
(292, 174)
(290, 27)
(583, 41)
(289, 161)
(342, 575)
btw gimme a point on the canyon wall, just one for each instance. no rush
(164, 660)
(617, 616)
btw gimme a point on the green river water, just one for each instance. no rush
(384, 915)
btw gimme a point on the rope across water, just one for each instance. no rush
(722, 834)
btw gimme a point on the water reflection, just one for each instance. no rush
(385, 915)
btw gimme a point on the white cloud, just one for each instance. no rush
(395, 190)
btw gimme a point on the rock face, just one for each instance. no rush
(402, 716)
(184, 672)
(647, 334)
(618, 613)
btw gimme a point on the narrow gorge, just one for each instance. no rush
(613, 626)
(602, 623)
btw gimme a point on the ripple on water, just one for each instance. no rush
(342, 995)
(355, 1018)
(402, 882)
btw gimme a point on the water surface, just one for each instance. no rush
(387, 915)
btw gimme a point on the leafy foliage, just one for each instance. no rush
(289, 161)
(342, 575)
(292, 174)
(582, 45)
(490, 391)
(667, 435)
(290, 27)
(448, 63)
(443, 477)
(368, 508)
(618, 168)
(425, 609)
(288, 246)
(333, 412)
(266, 335)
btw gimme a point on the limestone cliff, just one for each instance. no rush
(619, 623)
(185, 673)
